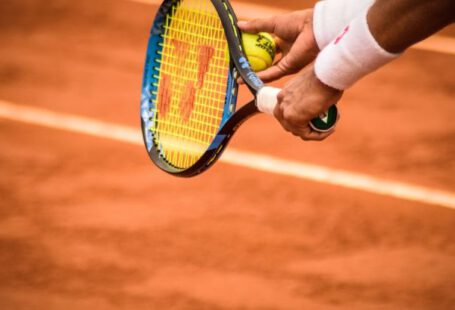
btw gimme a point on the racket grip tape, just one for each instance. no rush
(266, 99)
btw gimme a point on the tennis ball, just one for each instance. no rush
(260, 49)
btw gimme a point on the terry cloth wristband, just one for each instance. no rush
(352, 55)
(331, 16)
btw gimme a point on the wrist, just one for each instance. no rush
(328, 91)
(352, 55)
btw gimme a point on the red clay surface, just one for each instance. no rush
(88, 223)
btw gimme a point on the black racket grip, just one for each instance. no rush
(326, 121)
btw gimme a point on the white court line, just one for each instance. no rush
(437, 43)
(346, 179)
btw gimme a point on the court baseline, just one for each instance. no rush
(256, 161)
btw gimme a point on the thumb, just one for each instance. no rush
(277, 71)
(271, 74)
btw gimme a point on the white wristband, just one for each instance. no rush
(351, 56)
(331, 16)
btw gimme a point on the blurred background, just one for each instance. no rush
(87, 222)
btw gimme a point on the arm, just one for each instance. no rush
(370, 41)
(413, 21)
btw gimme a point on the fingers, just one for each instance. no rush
(298, 127)
(271, 74)
(258, 25)
(311, 135)
(300, 101)
(277, 71)
(306, 133)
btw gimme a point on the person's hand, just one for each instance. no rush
(294, 38)
(303, 99)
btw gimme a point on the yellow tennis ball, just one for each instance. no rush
(260, 50)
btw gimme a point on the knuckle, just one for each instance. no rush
(290, 116)
(286, 65)
(282, 94)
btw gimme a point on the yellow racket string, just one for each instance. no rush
(192, 83)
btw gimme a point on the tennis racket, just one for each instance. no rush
(189, 93)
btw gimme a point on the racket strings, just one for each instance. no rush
(192, 82)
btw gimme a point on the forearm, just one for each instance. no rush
(396, 25)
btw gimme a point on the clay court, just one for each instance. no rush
(364, 220)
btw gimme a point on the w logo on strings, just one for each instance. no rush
(184, 60)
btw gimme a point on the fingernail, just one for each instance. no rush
(241, 23)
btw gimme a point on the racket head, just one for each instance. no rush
(189, 87)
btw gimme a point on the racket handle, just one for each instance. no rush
(266, 99)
